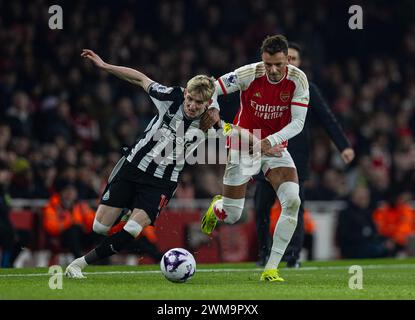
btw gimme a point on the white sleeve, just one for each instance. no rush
(301, 94)
(240, 79)
(299, 106)
(298, 115)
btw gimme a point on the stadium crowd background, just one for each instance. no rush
(63, 120)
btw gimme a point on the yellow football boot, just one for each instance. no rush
(271, 275)
(209, 219)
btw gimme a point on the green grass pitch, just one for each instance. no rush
(382, 279)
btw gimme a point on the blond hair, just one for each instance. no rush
(203, 85)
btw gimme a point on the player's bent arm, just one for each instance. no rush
(128, 74)
(299, 106)
(298, 115)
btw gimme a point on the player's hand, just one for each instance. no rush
(209, 118)
(275, 151)
(91, 55)
(348, 155)
(264, 146)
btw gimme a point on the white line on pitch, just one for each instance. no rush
(369, 266)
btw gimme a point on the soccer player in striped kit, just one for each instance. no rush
(145, 179)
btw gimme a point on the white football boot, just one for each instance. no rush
(74, 270)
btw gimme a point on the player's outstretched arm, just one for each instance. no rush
(124, 73)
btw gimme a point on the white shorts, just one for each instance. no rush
(240, 169)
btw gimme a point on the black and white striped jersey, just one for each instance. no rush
(169, 137)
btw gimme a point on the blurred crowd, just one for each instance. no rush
(63, 121)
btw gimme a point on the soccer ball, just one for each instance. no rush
(178, 265)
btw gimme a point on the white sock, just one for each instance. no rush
(288, 194)
(282, 235)
(228, 210)
(80, 262)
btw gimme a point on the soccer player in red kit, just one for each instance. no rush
(273, 106)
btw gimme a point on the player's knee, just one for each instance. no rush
(288, 194)
(233, 209)
(100, 228)
(141, 217)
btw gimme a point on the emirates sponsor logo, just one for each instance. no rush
(267, 108)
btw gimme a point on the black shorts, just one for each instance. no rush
(130, 187)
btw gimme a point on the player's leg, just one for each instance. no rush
(143, 245)
(227, 207)
(264, 198)
(285, 181)
(240, 167)
(111, 245)
(148, 196)
(292, 254)
(118, 194)
(138, 220)
(113, 199)
(105, 218)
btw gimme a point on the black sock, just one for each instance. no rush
(110, 246)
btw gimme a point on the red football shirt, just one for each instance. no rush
(265, 105)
